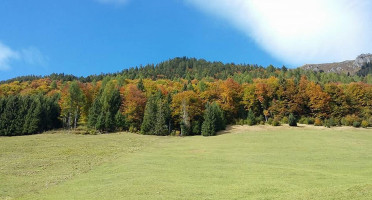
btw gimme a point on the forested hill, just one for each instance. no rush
(184, 96)
(192, 68)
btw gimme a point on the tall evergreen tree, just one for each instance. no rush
(209, 124)
(149, 117)
(251, 119)
(292, 121)
(140, 85)
(160, 127)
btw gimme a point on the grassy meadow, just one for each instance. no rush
(260, 162)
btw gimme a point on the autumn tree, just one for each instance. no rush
(133, 105)
(186, 107)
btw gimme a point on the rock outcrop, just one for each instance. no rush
(347, 67)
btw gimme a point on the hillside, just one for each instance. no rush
(192, 68)
(360, 66)
(183, 96)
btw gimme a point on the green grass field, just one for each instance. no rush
(243, 163)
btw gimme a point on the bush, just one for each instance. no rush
(310, 120)
(327, 123)
(349, 120)
(356, 124)
(292, 120)
(239, 122)
(364, 124)
(285, 120)
(275, 122)
(270, 121)
(330, 122)
(260, 120)
(133, 129)
(318, 122)
(303, 120)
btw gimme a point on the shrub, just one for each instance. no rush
(330, 122)
(349, 120)
(270, 121)
(310, 120)
(285, 120)
(364, 124)
(356, 124)
(292, 120)
(239, 122)
(260, 120)
(303, 120)
(318, 122)
(275, 122)
(132, 129)
(327, 123)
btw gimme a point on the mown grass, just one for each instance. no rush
(244, 163)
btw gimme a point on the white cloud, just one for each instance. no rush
(33, 56)
(6, 56)
(114, 2)
(300, 31)
(29, 56)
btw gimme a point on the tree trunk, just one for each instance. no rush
(69, 121)
(76, 115)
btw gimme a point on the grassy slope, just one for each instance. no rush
(255, 163)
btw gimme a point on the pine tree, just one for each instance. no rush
(208, 127)
(220, 117)
(149, 117)
(120, 122)
(292, 121)
(251, 119)
(160, 127)
(140, 85)
(94, 113)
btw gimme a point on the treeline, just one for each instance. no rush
(185, 96)
(191, 68)
(20, 115)
(182, 106)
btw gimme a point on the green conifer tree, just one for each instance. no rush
(292, 121)
(208, 127)
(251, 119)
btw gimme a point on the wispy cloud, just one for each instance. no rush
(114, 2)
(33, 56)
(30, 56)
(300, 31)
(7, 55)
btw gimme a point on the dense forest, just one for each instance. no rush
(184, 96)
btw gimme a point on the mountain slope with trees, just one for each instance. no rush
(186, 96)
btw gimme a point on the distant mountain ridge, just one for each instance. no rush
(362, 65)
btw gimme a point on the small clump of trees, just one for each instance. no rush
(214, 120)
(24, 115)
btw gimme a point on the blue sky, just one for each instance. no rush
(84, 37)
(88, 37)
